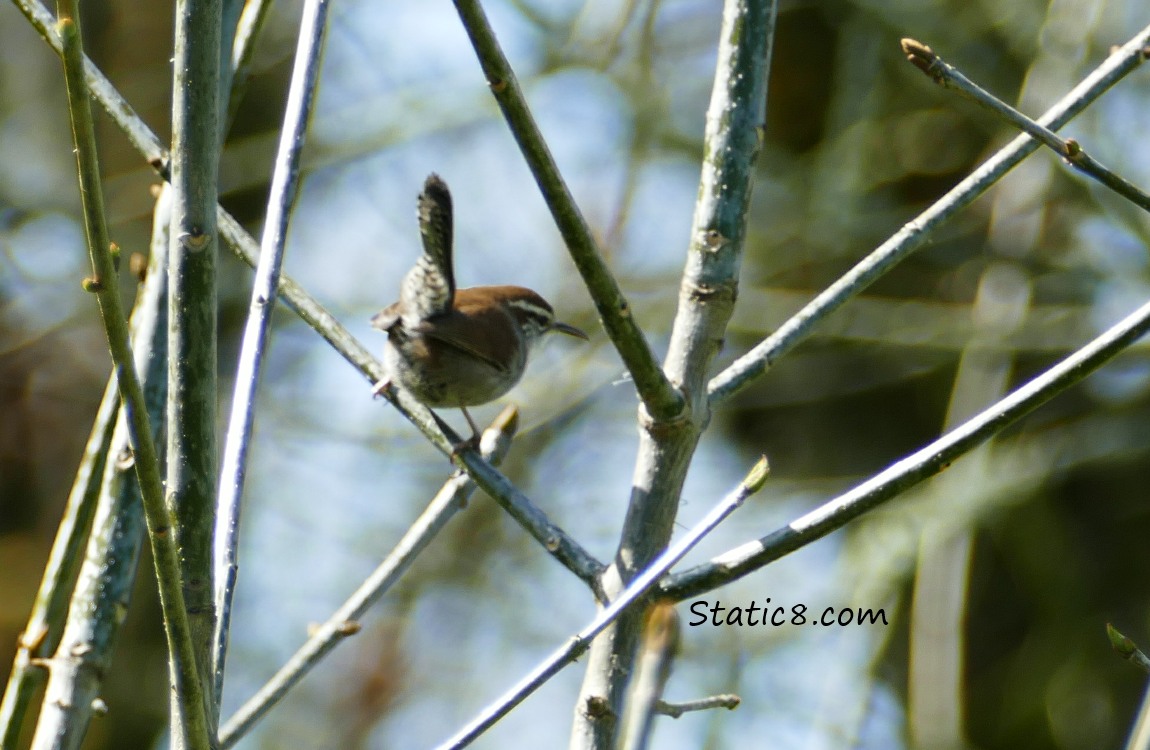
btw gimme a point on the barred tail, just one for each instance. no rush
(429, 287)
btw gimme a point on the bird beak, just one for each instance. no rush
(570, 330)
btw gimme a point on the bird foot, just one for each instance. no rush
(380, 387)
(471, 443)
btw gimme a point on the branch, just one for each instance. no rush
(911, 470)
(639, 586)
(735, 119)
(947, 76)
(660, 645)
(728, 701)
(281, 199)
(49, 612)
(448, 501)
(192, 319)
(104, 586)
(185, 679)
(248, 29)
(757, 361)
(659, 395)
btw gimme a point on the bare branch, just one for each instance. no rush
(908, 239)
(947, 76)
(188, 690)
(443, 507)
(735, 121)
(658, 650)
(658, 393)
(284, 189)
(639, 586)
(925, 462)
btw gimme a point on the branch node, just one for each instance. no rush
(342, 629)
(713, 240)
(598, 708)
(704, 293)
(66, 28)
(659, 428)
(194, 239)
(81, 649)
(92, 284)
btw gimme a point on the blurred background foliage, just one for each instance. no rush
(1026, 548)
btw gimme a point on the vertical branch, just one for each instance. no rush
(706, 299)
(284, 189)
(191, 726)
(191, 478)
(628, 600)
(230, 13)
(104, 586)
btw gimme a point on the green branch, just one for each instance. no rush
(192, 325)
(103, 283)
(660, 396)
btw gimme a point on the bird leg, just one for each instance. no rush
(471, 442)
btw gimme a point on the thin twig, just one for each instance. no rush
(757, 361)
(948, 76)
(283, 193)
(638, 587)
(185, 678)
(447, 502)
(729, 701)
(913, 469)
(659, 395)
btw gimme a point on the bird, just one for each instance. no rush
(455, 348)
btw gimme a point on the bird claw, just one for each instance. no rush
(380, 387)
(471, 443)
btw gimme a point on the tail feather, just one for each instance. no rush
(429, 287)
